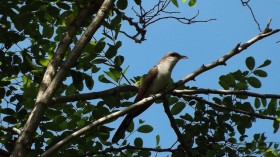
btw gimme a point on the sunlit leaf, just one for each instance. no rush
(192, 3)
(175, 2)
(113, 74)
(103, 79)
(44, 62)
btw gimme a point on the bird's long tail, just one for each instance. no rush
(127, 120)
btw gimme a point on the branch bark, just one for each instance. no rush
(44, 98)
(96, 95)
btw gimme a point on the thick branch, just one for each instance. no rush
(96, 95)
(99, 122)
(173, 125)
(225, 92)
(229, 108)
(24, 141)
(64, 45)
(222, 61)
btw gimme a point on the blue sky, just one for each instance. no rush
(204, 43)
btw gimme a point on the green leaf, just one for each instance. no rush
(114, 74)
(177, 108)
(131, 127)
(271, 108)
(254, 82)
(157, 140)
(119, 60)
(192, 3)
(138, 2)
(89, 82)
(122, 4)
(250, 63)
(260, 73)
(241, 129)
(275, 126)
(10, 119)
(141, 121)
(241, 86)
(278, 119)
(77, 78)
(257, 103)
(113, 49)
(264, 102)
(63, 5)
(175, 2)
(145, 129)
(48, 31)
(184, 1)
(44, 62)
(2, 93)
(187, 117)
(138, 142)
(265, 63)
(52, 11)
(103, 79)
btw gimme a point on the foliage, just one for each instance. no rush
(30, 34)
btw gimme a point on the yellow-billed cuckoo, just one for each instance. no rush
(155, 81)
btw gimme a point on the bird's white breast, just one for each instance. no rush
(162, 78)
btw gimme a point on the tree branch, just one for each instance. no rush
(174, 126)
(99, 122)
(225, 92)
(222, 61)
(229, 108)
(246, 3)
(24, 141)
(64, 45)
(96, 95)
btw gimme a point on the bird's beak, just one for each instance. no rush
(183, 57)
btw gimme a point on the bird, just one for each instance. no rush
(156, 80)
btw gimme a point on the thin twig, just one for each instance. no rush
(229, 108)
(246, 3)
(225, 92)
